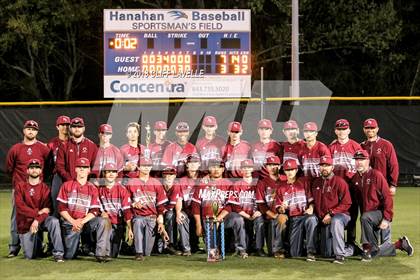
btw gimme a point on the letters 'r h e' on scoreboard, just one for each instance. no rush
(177, 53)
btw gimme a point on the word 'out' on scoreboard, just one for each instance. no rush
(177, 53)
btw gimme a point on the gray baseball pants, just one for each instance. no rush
(302, 228)
(144, 234)
(332, 237)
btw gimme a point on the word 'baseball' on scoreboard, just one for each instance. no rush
(177, 53)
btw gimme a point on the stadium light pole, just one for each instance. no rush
(295, 86)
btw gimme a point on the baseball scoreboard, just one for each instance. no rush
(177, 53)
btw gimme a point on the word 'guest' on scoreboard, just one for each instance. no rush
(177, 53)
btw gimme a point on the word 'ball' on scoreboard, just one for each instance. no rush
(177, 53)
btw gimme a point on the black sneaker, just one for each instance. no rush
(186, 253)
(260, 253)
(366, 257)
(12, 254)
(59, 259)
(406, 246)
(243, 255)
(139, 257)
(101, 259)
(310, 257)
(338, 260)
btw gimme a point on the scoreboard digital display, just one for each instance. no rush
(177, 53)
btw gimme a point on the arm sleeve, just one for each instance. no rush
(61, 163)
(343, 197)
(95, 204)
(392, 166)
(126, 205)
(21, 206)
(387, 198)
(10, 160)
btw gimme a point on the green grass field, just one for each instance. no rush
(406, 221)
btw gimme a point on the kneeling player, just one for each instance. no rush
(79, 207)
(115, 206)
(148, 199)
(294, 204)
(33, 204)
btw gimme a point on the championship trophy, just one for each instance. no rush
(213, 252)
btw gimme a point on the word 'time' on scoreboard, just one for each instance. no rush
(177, 53)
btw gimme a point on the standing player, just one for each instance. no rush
(148, 200)
(158, 147)
(210, 145)
(265, 198)
(242, 201)
(312, 151)
(293, 146)
(176, 153)
(265, 147)
(293, 199)
(33, 204)
(79, 207)
(77, 147)
(16, 165)
(132, 151)
(107, 152)
(235, 151)
(332, 203)
(116, 207)
(373, 194)
(62, 124)
(382, 157)
(187, 185)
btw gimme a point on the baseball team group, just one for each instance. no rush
(297, 198)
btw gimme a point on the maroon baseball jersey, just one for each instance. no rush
(292, 151)
(150, 194)
(156, 154)
(296, 196)
(116, 202)
(331, 195)
(342, 154)
(110, 154)
(208, 192)
(53, 144)
(177, 155)
(68, 154)
(209, 149)
(172, 195)
(372, 192)
(242, 197)
(261, 151)
(265, 194)
(29, 199)
(383, 158)
(233, 156)
(20, 154)
(78, 200)
(186, 191)
(131, 154)
(310, 158)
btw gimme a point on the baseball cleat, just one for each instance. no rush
(12, 254)
(310, 258)
(139, 257)
(186, 253)
(366, 257)
(406, 246)
(101, 259)
(279, 255)
(338, 260)
(261, 253)
(243, 255)
(59, 259)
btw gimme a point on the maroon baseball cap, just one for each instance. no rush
(310, 126)
(82, 162)
(34, 163)
(216, 162)
(290, 124)
(264, 123)
(77, 122)
(145, 161)
(160, 125)
(105, 128)
(169, 170)
(247, 163)
(234, 127)
(361, 154)
(272, 160)
(31, 124)
(290, 164)
(193, 158)
(370, 123)
(62, 120)
(342, 124)
(209, 120)
(110, 167)
(326, 160)
(182, 126)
